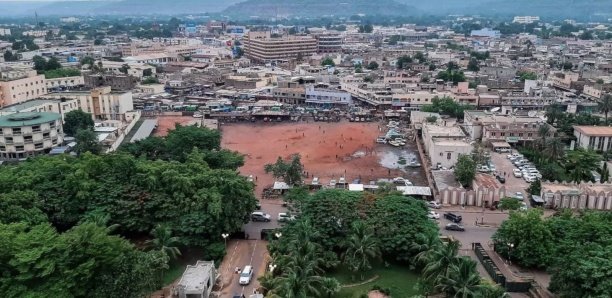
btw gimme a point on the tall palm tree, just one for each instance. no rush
(425, 246)
(605, 105)
(300, 277)
(462, 279)
(554, 148)
(440, 261)
(330, 286)
(361, 248)
(164, 241)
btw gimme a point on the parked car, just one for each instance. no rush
(517, 173)
(501, 179)
(433, 215)
(284, 217)
(434, 204)
(454, 227)
(524, 206)
(453, 217)
(260, 216)
(483, 169)
(246, 275)
(381, 140)
(519, 195)
(529, 178)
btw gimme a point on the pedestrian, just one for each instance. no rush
(476, 222)
(336, 156)
(285, 146)
(504, 174)
(389, 171)
(303, 134)
(255, 178)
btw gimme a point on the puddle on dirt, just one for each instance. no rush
(359, 154)
(390, 159)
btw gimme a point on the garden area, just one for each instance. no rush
(398, 280)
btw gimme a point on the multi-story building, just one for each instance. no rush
(290, 95)
(58, 106)
(102, 103)
(490, 127)
(66, 82)
(594, 137)
(329, 43)
(525, 19)
(444, 144)
(19, 85)
(5, 32)
(116, 82)
(399, 77)
(29, 134)
(262, 47)
(327, 96)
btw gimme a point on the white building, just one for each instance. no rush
(594, 137)
(102, 103)
(197, 281)
(525, 19)
(327, 96)
(19, 85)
(5, 31)
(65, 82)
(444, 144)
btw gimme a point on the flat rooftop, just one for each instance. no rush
(449, 142)
(145, 130)
(28, 119)
(448, 131)
(196, 276)
(596, 131)
(28, 104)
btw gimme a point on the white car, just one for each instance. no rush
(434, 204)
(433, 215)
(529, 178)
(246, 275)
(517, 173)
(283, 217)
(519, 196)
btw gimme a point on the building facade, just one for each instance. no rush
(102, 103)
(262, 47)
(594, 137)
(329, 43)
(20, 85)
(24, 135)
(327, 96)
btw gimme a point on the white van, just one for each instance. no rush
(246, 275)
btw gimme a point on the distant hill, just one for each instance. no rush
(543, 8)
(315, 8)
(110, 7)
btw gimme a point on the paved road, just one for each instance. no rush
(481, 233)
(503, 164)
(242, 253)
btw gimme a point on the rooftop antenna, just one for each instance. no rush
(36, 17)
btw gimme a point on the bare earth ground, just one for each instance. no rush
(166, 123)
(328, 150)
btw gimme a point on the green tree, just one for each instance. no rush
(525, 238)
(473, 65)
(87, 60)
(509, 204)
(605, 105)
(149, 81)
(441, 262)
(290, 171)
(367, 28)
(403, 61)
(40, 64)
(554, 148)
(87, 141)
(62, 73)
(124, 68)
(9, 57)
(462, 279)
(52, 64)
(328, 61)
(361, 249)
(164, 241)
(527, 75)
(535, 188)
(567, 65)
(465, 170)
(98, 42)
(76, 120)
(425, 246)
(372, 65)
(580, 164)
(420, 56)
(21, 206)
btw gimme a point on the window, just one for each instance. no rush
(502, 134)
(2, 148)
(16, 131)
(52, 125)
(529, 135)
(441, 154)
(27, 139)
(511, 134)
(36, 128)
(45, 135)
(9, 140)
(492, 134)
(448, 155)
(520, 134)
(54, 141)
(38, 146)
(19, 148)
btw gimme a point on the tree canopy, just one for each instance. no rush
(465, 170)
(76, 120)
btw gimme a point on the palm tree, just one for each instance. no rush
(440, 261)
(554, 148)
(164, 241)
(330, 286)
(361, 248)
(425, 245)
(544, 132)
(489, 290)
(300, 277)
(462, 279)
(605, 105)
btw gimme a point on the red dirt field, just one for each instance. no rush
(319, 145)
(166, 123)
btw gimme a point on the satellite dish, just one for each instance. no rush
(496, 109)
(532, 113)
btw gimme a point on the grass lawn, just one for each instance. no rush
(174, 272)
(399, 279)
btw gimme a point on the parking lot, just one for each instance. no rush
(505, 168)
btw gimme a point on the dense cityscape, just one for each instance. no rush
(295, 149)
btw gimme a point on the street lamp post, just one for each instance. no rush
(225, 235)
(278, 234)
(510, 247)
(271, 267)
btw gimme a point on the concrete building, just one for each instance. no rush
(290, 95)
(262, 47)
(102, 103)
(197, 281)
(327, 96)
(490, 127)
(40, 105)
(67, 82)
(29, 134)
(597, 196)
(525, 19)
(153, 58)
(138, 70)
(19, 85)
(444, 144)
(594, 137)
(5, 32)
(116, 82)
(329, 43)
